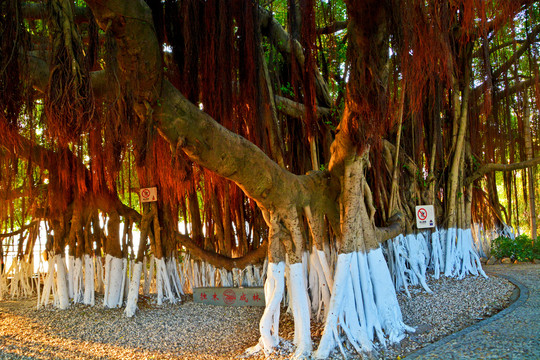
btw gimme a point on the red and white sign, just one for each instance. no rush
(148, 194)
(425, 216)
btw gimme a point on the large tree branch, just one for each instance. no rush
(227, 154)
(20, 231)
(516, 6)
(12, 194)
(139, 53)
(182, 123)
(531, 37)
(39, 78)
(487, 168)
(512, 90)
(16, 144)
(394, 228)
(279, 193)
(295, 109)
(220, 261)
(520, 86)
(108, 202)
(35, 11)
(283, 42)
(332, 28)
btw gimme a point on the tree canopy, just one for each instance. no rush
(83, 119)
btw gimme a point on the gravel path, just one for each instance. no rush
(195, 331)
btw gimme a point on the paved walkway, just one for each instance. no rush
(514, 333)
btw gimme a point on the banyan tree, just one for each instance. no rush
(285, 139)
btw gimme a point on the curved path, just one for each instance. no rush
(513, 333)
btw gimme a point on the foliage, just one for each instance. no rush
(521, 248)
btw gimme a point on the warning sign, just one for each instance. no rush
(425, 216)
(148, 194)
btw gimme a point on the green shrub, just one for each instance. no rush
(520, 249)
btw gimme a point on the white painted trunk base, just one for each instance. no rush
(385, 298)
(450, 252)
(362, 280)
(470, 262)
(61, 282)
(461, 258)
(48, 284)
(300, 307)
(195, 273)
(337, 301)
(77, 278)
(89, 295)
(274, 288)
(175, 276)
(70, 271)
(408, 261)
(163, 283)
(437, 255)
(59, 287)
(133, 294)
(148, 277)
(114, 281)
(225, 278)
(318, 286)
(20, 285)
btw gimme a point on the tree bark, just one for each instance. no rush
(460, 119)
(530, 171)
(491, 167)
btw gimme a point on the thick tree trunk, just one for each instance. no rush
(89, 267)
(280, 195)
(460, 104)
(361, 273)
(268, 107)
(133, 293)
(99, 240)
(76, 251)
(58, 261)
(115, 265)
(394, 194)
(195, 218)
(530, 171)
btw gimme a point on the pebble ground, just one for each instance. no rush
(514, 333)
(196, 331)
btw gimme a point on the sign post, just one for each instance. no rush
(425, 216)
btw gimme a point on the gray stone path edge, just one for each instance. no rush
(523, 296)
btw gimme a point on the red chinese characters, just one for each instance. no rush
(203, 296)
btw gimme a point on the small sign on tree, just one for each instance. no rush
(148, 194)
(425, 216)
